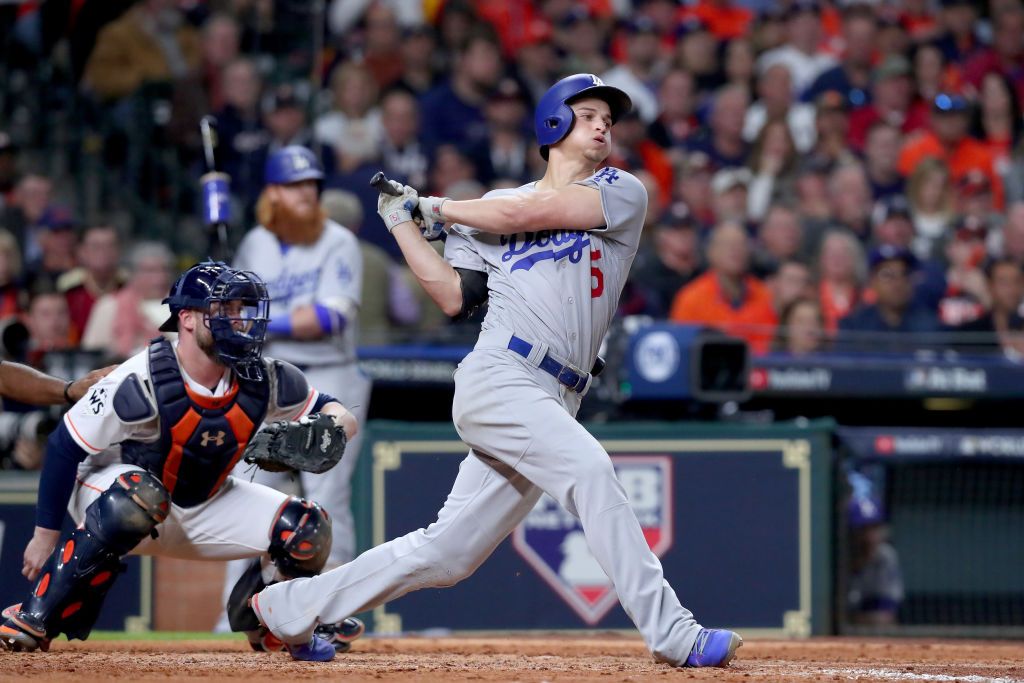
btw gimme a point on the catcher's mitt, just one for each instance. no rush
(314, 443)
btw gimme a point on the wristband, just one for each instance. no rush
(67, 398)
(281, 327)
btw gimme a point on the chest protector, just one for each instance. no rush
(201, 437)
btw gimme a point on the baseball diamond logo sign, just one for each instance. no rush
(552, 540)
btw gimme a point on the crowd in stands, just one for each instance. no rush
(819, 171)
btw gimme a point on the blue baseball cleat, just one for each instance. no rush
(714, 647)
(316, 650)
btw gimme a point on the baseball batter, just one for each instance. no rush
(142, 464)
(551, 258)
(314, 271)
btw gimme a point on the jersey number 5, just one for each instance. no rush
(596, 276)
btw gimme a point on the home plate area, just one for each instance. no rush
(516, 657)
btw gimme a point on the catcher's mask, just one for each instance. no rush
(235, 308)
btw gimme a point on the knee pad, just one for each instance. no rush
(77, 576)
(300, 538)
(128, 511)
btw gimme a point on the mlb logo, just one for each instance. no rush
(551, 540)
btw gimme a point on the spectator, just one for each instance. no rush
(791, 281)
(998, 122)
(893, 228)
(892, 102)
(881, 152)
(97, 274)
(382, 40)
(508, 155)
(11, 292)
(451, 165)
(220, 40)
(721, 139)
(149, 43)
(801, 329)
(966, 297)
(842, 272)
(930, 195)
(677, 100)
(582, 38)
(455, 109)
(240, 129)
(353, 126)
(1005, 279)
(284, 116)
(727, 296)
(402, 156)
(8, 169)
(958, 41)
(696, 53)
(974, 199)
(812, 197)
(1012, 237)
(773, 159)
(669, 261)
(850, 198)
(775, 101)
(801, 51)
(419, 58)
(694, 188)
(947, 140)
(851, 78)
(49, 325)
(780, 239)
(389, 301)
(343, 15)
(123, 322)
(1005, 56)
(932, 75)
(24, 214)
(633, 150)
(57, 241)
(729, 195)
(537, 65)
(739, 63)
(894, 310)
(832, 126)
(640, 69)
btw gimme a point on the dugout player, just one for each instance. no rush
(314, 271)
(551, 257)
(179, 415)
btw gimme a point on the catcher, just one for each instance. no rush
(180, 416)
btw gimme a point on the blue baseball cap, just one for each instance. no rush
(950, 103)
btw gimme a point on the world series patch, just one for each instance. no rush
(551, 540)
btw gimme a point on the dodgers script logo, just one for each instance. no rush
(528, 248)
(552, 542)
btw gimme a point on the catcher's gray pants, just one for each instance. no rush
(519, 423)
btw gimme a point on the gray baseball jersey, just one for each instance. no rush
(556, 289)
(328, 272)
(559, 287)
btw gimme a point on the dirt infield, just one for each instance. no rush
(532, 659)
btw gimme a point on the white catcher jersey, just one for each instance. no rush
(559, 287)
(329, 272)
(97, 429)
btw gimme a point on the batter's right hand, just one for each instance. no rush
(397, 209)
(38, 551)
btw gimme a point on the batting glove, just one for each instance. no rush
(433, 217)
(395, 209)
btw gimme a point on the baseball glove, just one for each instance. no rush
(314, 443)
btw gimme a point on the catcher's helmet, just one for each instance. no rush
(235, 306)
(554, 118)
(292, 164)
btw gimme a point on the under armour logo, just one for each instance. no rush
(217, 439)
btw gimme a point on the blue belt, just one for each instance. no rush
(567, 375)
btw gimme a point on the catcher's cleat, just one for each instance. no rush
(22, 632)
(316, 650)
(262, 640)
(342, 634)
(714, 647)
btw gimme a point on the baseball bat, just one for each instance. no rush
(216, 192)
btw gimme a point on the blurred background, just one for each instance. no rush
(833, 256)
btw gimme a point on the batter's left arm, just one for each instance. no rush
(573, 207)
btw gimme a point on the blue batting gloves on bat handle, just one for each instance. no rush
(433, 216)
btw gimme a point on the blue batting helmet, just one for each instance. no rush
(554, 118)
(292, 164)
(236, 309)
